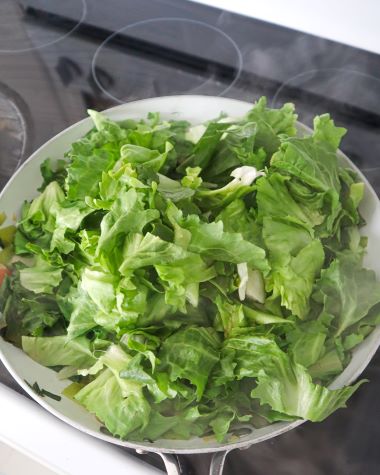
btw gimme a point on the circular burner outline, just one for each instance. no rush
(44, 45)
(22, 111)
(154, 20)
(313, 71)
(24, 133)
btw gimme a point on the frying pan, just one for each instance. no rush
(23, 186)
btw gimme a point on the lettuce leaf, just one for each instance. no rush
(283, 384)
(57, 351)
(41, 277)
(191, 354)
(347, 291)
(295, 394)
(193, 278)
(104, 398)
(210, 240)
(272, 124)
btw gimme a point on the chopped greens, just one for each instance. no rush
(189, 278)
(42, 392)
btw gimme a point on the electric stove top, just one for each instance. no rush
(59, 58)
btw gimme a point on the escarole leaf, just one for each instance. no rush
(281, 383)
(56, 351)
(295, 282)
(271, 124)
(41, 278)
(210, 240)
(237, 148)
(126, 215)
(151, 159)
(275, 200)
(296, 395)
(205, 147)
(191, 278)
(313, 162)
(296, 261)
(146, 250)
(239, 186)
(82, 314)
(121, 415)
(347, 291)
(325, 131)
(191, 354)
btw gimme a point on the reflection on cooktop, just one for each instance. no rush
(13, 132)
(19, 32)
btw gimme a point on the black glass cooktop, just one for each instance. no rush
(58, 58)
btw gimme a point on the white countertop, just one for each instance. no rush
(352, 22)
(63, 450)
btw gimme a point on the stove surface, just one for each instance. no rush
(58, 59)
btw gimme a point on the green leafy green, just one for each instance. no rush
(191, 354)
(190, 278)
(272, 124)
(41, 277)
(292, 392)
(104, 397)
(211, 241)
(56, 350)
(347, 291)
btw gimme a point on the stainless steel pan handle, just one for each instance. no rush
(174, 467)
(172, 464)
(217, 463)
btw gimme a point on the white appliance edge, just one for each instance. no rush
(30, 429)
(350, 22)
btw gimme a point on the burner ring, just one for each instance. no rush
(225, 36)
(15, 131)
(304, 75)
(51, 42)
